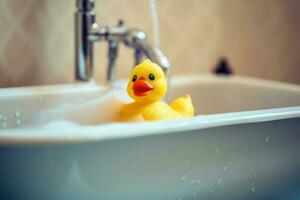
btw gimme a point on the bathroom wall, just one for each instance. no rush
(259, 38)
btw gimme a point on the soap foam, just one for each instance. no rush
(94, 112)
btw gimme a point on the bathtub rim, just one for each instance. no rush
(80, 133)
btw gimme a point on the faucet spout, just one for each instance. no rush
(87, 31)
(137, 39)
(84, 19)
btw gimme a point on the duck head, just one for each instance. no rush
(147, 82)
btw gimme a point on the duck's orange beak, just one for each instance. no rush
(142, 87)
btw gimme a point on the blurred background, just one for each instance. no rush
(258, 38)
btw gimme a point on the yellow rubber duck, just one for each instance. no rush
(146, 86)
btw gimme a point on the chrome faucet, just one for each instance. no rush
(87, 31)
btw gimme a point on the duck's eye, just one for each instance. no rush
(134, 78)
(151, 77)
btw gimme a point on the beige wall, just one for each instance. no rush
(259, 37)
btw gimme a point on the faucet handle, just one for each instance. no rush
(138, 54)
(112, 56)
(85, 5)
(120, 22)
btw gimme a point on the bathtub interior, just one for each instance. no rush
(90, 104)
(223, 94)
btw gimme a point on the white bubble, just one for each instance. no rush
(217, 151)
(252, 189)
(18, 113)
(267, 139)
(255, 175)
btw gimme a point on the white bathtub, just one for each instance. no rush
(243, 145)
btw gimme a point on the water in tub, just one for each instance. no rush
(93, 112)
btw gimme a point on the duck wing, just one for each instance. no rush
(184, 106)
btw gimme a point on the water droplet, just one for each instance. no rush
(183, 177)
(18, 113)
(255, 175)
(267, 139)
(198, 181)
(195, 194)
(219, 181)
(225, 168)
(18, 122)
(252, 189)
(217, 151)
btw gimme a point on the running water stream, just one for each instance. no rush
(155, 22)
